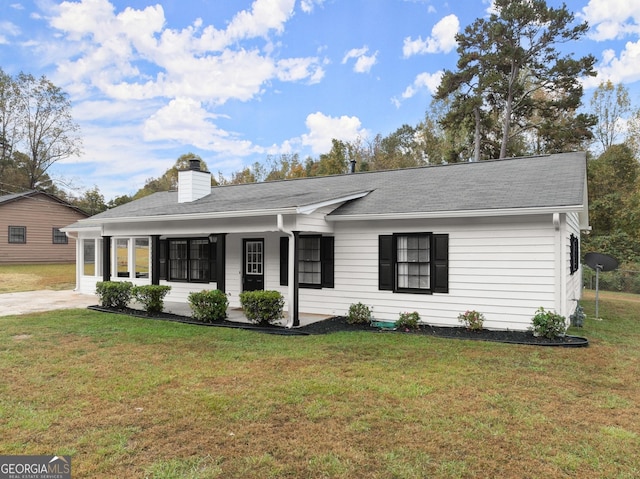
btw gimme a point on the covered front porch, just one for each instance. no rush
(236, 315)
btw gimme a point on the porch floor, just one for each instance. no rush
(237, 315)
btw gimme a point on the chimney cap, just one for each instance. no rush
(194, 165)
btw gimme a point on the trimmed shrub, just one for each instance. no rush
(151, 296)
(359, 314)
(208, 305)
(262, 307)
(408, 321)
(114, 294)
(548, 324)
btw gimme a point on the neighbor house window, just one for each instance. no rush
(17, 234)
(89, 257)
(142, 257)
(413, 263)
(191, 259)
(59, 237)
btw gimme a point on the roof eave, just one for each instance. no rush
(188, 216)
(458, 214)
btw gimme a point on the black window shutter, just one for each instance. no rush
(385, 262)
(163, 258)
(574, 253)
(440, 263)
(213, 266)
(326, 256)
(284, 261)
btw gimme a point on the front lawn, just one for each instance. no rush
(132, 398)
(34, 277)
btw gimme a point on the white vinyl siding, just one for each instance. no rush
(503, 267)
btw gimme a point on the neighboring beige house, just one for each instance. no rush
(501, 237)
(30, 225)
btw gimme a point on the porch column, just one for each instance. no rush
(106, 258)
(294, 282)
(221, 260)
(155, 259)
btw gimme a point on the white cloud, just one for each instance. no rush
(442, 39)
(295, 69)
(364, 62)
(185, 121)
(429, 81)
(611, 20)
(9, 28)
(323, 128)
(307, 6)
(132, 55)
(624, 68)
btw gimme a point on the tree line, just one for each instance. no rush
(513, 93)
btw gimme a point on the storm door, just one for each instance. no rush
(253, 278)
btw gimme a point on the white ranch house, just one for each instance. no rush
(500, 237)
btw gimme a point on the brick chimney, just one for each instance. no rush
(193, 183)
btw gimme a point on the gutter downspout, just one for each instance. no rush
(292, 292)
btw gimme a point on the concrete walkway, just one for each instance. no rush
(45, 300)
(37, 301)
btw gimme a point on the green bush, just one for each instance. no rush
(359, 314)
(262, 307)
(114, 294)
(408, 321)
(151, 296)
(208, 305)
(548, 324)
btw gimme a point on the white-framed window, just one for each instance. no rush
(253, 260)
(92, 257)
(309, 261)
(122, 257)
(413, 262)
(141, 257)
(89, 257)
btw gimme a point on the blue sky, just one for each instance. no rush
(236, 81)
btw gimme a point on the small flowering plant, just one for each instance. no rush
(472, 319)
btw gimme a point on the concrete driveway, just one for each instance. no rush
(45, 300)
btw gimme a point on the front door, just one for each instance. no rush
(253, 278)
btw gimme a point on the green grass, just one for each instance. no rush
(133, 398)
(34, 277)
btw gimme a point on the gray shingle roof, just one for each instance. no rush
(4, 199)
(532, 182)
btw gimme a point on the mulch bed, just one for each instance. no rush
(340, 324)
